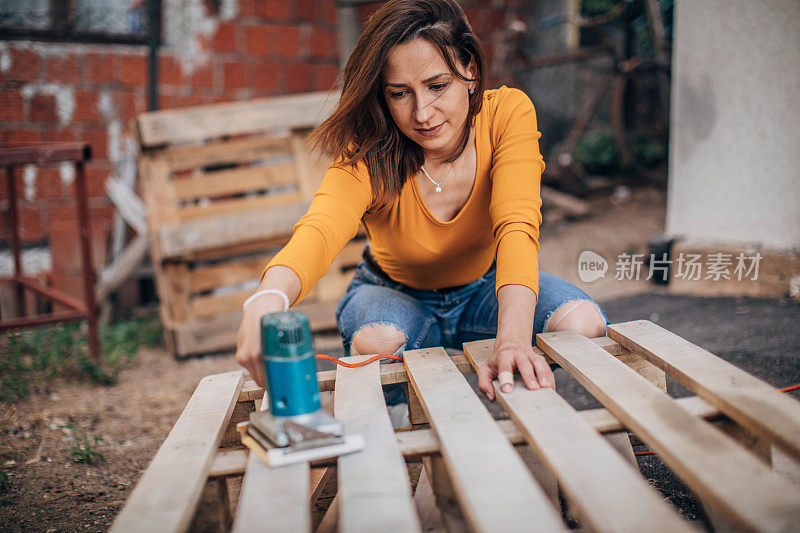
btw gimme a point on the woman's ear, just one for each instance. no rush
(472, 72)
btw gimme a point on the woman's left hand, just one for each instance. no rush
(505, 360)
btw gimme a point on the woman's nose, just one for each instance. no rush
(423, 111)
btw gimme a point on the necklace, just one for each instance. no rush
(439, 185)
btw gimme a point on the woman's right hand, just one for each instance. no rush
(248, 340)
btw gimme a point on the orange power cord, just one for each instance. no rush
(362, 363)
(397, 358)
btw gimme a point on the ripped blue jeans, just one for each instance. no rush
(447, 318)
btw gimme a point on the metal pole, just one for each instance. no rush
(13, 223)
(154, 17)
(86, 256)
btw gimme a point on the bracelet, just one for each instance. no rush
(268, 291)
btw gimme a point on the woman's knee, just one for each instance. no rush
(378, 339)
(581, 317)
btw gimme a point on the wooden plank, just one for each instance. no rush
(234, 181)
(234, 206)
(423, 442)
(227, 152)
(753, 403)
(216, 304)
(127, 204)
(495, 489)
(177, 239)
(167, 495)
(319, 478)
(712, 464)
(273, 498)
(121, 269)
(374, 492)
(604, 487)
(195, 124)
(430, 516)
(239, 270)
(445, 495)
(218, 332)
(228, 463)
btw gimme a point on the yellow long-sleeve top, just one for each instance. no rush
(500, 220)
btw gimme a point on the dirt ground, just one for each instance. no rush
(44, 490)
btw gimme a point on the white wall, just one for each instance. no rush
(735, 136)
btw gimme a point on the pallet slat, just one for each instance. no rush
(232, 206)
(234, 181)
(494, 487)
(178, 239)
(373, 484)
(273, 498)
(750, 401)
(168, 493)
(712, 464)
(234, 118)
(608, 493)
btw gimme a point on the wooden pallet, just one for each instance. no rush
(486, 475)
(223, 186)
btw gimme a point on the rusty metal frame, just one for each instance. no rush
(79, 154)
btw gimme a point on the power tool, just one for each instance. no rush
(295, 428)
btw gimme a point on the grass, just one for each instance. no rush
(85, 451)
(31, 359)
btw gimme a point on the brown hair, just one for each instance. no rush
(361, 128)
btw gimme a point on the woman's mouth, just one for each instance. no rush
(430, 132)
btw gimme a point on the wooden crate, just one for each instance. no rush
(474, 475)
(223, 185)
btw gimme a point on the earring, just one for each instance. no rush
(471, 92)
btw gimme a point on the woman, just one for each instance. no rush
(445, 177)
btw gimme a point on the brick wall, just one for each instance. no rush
(52, 92)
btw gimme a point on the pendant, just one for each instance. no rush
(438, 189)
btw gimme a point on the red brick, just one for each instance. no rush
(235, 75)
(98, 138)
(330, 12)
(11, 106)
(297, 78)
(322, 44)
(30, 224)
(58, 135)
(247, 8)
(266, 78)
(26, 136)
(25, 65)
(86, 106)
(305, 9)
(42, 108)
(272, 9)
(259, 40)
(99, 68)
(97, 172)
(287, 40)
(65, 238)
(169, 71)
(324, 77)
(49, 185)
(225, 38)
(63, 69)
(133, 69)
(200, 77)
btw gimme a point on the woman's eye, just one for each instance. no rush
(398, 94)
(439, 87)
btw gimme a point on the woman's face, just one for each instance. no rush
(427, 101)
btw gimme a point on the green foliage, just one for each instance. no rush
(597, 152)
(86, 450)
(647, 150)
(31, 358)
